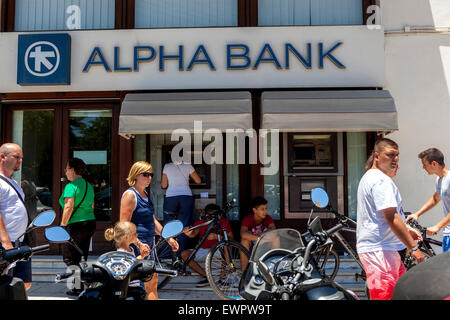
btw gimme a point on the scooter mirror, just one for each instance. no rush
(265, 273)
(57, 234)
(46, 218)
(172, 228)
(319, 197)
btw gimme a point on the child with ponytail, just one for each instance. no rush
(124, 234)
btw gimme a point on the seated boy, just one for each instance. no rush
(210, 241)
(254, 225)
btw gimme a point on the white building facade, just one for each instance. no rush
(110, 80)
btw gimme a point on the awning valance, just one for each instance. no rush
(143, 113)
(355, 110)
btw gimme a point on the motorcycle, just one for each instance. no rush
(281, 266)
(12, 288)
(108, 278)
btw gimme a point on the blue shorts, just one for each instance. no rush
(446, 243)
(22, 270)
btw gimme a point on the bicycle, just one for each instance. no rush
(326, 258)
(424, 246)
(322, 255)
(223, 270)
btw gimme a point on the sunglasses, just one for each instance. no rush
(147, 174)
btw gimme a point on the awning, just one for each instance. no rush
(347, 110)
(143, 113)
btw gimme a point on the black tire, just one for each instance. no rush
(327, 261)
(229, 271)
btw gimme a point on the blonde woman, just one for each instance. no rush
(137, 207)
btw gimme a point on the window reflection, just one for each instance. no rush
(90, 140)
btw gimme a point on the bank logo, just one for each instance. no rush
(43, 59)
(43, 65)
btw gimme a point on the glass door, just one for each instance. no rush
(90, 139)
(33, 131)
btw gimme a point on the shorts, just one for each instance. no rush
(22, 270)
(446, 243)
(383, 269)
(202, 253)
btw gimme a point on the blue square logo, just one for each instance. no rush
(44, 59)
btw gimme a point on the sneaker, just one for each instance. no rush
(202, 283)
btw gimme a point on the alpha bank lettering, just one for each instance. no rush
(238, 57)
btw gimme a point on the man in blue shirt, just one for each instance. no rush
(433, 163)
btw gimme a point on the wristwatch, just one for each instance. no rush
(415, 248)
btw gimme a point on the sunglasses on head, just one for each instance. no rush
(147, 174)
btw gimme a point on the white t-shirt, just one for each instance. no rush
(178, 178)
(12, 209)
(443, 190)
(376, 191)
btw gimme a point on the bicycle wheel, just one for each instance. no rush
(411, 262)
(327, 261)
(224, 270)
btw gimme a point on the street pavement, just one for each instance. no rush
(179, 290)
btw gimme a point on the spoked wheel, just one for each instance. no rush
(328, 261)
(223, 268)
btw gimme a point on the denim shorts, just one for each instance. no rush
(445, 243)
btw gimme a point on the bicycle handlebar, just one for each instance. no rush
(415, 224)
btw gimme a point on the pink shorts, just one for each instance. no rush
(383, 269)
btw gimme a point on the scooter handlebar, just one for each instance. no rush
(166, 272)
(40, 248)
(148, 268)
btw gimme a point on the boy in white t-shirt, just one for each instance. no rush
(433, 163)
(381, 231)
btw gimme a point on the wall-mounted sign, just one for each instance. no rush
(196, 58)
(43, 59)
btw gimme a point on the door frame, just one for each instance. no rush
(61, 111)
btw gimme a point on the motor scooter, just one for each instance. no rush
(109, 277)
(282, 267)
(12, 288)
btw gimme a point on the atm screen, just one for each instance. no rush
(305, 153)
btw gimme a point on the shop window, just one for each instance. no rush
(309, 12)
(272, 191)
(140, 148)
(312, 152)
(39, 15)
(33, 131)
(185, 13)
(356, 159)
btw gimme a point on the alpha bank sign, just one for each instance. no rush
(44, 59)
(207, 58)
